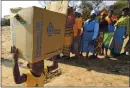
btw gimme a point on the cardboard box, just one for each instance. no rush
(38, 33)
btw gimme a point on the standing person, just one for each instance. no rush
(110, 20)
(77, 34)
(90, 33)
(68, 32)
(127, 47)
(122, 29)
(81, 53)
(103, 28)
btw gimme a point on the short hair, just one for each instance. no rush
(69, 10)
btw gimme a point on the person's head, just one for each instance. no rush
(70, 11)
(37, 67)
(103, 14)
(110, 12)
(93, 14)
(77, 15)
(78, 12)
(125, 11)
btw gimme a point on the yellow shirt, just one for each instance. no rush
(33, 81)
(77, 25)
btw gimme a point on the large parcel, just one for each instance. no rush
(37, 33)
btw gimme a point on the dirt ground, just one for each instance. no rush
(74, 72)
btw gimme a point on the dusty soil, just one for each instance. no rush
(74, 72)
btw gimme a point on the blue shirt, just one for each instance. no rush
(92, 26)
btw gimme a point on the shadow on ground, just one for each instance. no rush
(108, 66)
(118, 66)
(9, 63)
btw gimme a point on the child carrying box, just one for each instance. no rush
(35, 77)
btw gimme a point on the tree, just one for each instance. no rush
(88, 6)
(118, 6)
(97, 4)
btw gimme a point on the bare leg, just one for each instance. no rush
(106, 55)
(81, 54)
(77, 54)
(102, 50)
(106, 52)
(87, 54)
(96, 54)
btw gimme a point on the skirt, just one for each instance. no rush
(100, 43)
(110, 28)
(107, 39)
(87, 44)
(117, 42)
(68, 37)
(76, 44)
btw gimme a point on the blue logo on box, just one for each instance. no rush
(23, 22)
(50, 28)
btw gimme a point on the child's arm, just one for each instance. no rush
(17, 78)
(54, 65)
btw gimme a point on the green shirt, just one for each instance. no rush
(124, 22)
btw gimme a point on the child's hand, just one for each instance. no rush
(15, 53)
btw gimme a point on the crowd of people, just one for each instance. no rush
(96, 35)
